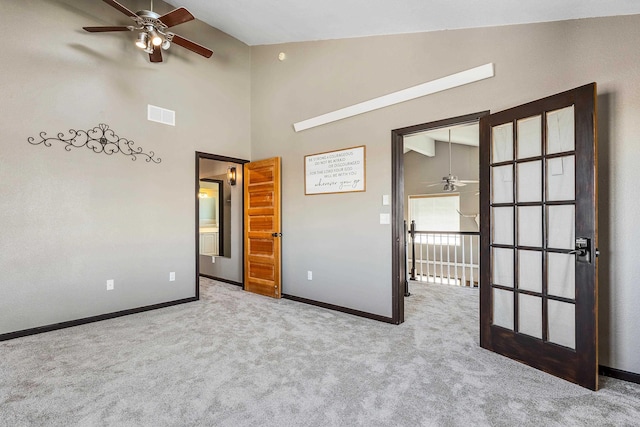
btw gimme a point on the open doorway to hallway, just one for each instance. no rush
(441, 185)
(435, 177)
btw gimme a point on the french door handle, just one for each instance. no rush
(582, 250)
(276, 234)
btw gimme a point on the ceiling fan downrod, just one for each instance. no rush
(448, 185)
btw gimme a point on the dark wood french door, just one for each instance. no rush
(538, 298)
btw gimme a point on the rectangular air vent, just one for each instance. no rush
(161, 115)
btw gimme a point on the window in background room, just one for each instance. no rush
(436, 212)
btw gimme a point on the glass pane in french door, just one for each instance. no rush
(533, 226)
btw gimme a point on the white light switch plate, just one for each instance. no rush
(385, 200)
(385, 218)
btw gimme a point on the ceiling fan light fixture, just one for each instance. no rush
(449, 187)
(142, 40)
(156, 39)
(149, 48)
(166, 44)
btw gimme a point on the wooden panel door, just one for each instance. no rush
(538, 298)
(262, 270)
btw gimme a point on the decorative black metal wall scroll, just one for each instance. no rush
(100, 139)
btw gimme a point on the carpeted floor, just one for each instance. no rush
(237, 359)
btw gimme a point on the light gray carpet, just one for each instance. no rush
(237, 359)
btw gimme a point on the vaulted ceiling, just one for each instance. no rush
(258, 22)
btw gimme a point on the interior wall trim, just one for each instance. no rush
(219, 279)
(84, 321)
(619, 374)
(434, 86)
(339, 308)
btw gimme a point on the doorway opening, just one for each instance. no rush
(435, 213)
(219, 219)
(441, 181)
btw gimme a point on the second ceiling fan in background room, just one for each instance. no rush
(153, 36)
(451, 182)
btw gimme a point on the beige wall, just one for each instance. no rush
(339, 236)
(71, 220)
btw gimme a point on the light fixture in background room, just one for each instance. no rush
(450, 180)
(231, 175)
(202, 195)
(451, 183)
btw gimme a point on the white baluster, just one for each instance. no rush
(455, 261)
(464, 265)
(449, 258)
(435, 267)
(471, 260)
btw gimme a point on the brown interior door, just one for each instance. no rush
(262, 272)
(538, 299)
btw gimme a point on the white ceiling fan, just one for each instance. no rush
(451, 182)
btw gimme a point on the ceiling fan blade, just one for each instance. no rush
(192, 46)
(156, 56)
(177, 16)
(466, 181)
(467, 215)
(105, 29)
(458, 183)
(120, 7)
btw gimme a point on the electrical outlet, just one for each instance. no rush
(309, 275)
(109, 285)
(172, 276)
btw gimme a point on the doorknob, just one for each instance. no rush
(276, 234)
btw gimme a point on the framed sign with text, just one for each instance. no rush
(341, 171)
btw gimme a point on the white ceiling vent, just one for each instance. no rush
(161, 115)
